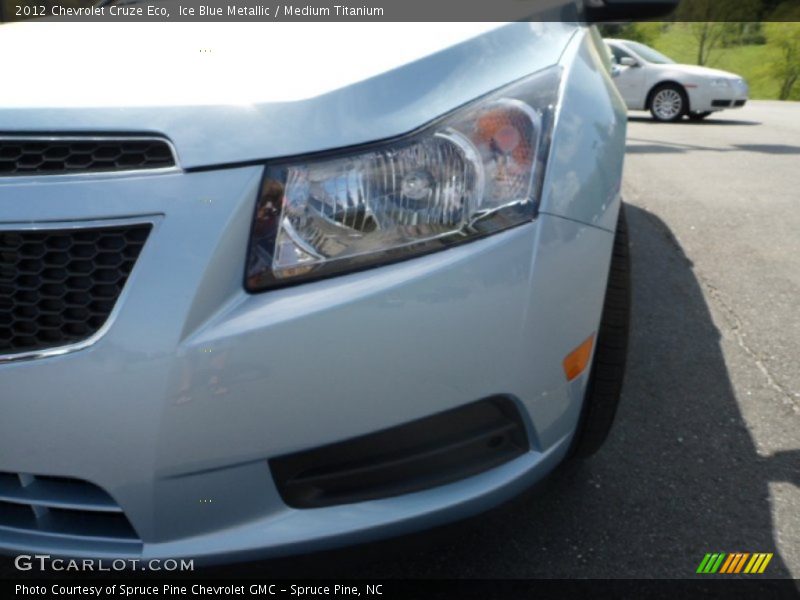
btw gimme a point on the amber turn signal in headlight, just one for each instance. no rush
(475, 172)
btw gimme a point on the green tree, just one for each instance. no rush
(783, 34)
(743, 33)
(645, 32)
(710, 21)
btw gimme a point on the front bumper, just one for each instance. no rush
(177, 408)
(720, 104)
(708, 98)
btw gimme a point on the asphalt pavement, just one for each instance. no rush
(705, 453)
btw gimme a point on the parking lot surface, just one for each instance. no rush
(705, 454)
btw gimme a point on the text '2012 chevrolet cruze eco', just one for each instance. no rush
(351, 295)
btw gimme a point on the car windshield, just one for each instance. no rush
(650, 55)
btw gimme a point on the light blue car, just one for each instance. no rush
(351, 295)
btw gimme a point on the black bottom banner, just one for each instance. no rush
(413, 589)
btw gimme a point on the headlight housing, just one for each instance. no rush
(474, 172)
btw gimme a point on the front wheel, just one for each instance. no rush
(604, 387)
(668, 103)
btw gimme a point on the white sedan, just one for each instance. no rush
(648, 80)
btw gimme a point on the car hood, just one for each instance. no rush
(235, 92)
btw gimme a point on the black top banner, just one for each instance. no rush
(397, 10)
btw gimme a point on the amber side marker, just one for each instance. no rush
(575, 362)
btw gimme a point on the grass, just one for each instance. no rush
(751, 61)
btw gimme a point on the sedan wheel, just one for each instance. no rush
(668, 103)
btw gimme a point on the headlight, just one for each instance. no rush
(472, 173)
(721, 82)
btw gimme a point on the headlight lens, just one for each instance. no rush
(721, 82)
(475, 172)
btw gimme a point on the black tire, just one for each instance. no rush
(608, 369)
(680, 102)
(698, 116)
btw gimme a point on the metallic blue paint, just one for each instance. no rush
(196, 384)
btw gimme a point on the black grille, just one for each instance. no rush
(20, 156)
(69, 508)
(58, 286)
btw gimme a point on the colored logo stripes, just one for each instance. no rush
(735, 562)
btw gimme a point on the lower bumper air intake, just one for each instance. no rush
(422, 454)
